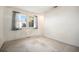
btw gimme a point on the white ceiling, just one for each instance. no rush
(35, 9)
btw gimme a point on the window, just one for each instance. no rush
(20, 20)
(33, 22)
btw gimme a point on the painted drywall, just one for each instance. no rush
(12, 35)
(62, 24)
(1, 26)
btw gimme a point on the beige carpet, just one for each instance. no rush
(37, 44)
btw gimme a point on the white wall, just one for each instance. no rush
(62, 24)
(41, 24)
(1, 26)
(12, 35)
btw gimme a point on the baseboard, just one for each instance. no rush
(61, 41)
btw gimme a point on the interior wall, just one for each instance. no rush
(1, 26)
(12, 35)
(62, 24)
(41, 24)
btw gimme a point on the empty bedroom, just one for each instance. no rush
(39, 29)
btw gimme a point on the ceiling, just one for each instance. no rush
(35, 9)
